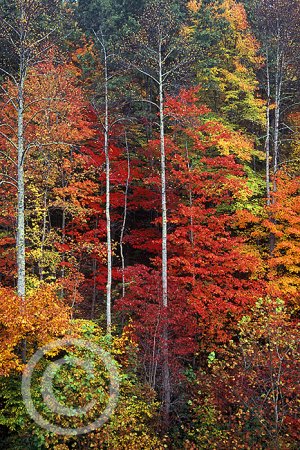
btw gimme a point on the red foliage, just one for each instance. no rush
(211, 276)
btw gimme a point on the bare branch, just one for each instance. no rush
(10, 25)
(9, 177)
(169, 72)
(101, 41)
(8, 182)
(288, 161)
(45, 144)
(147, 101)
(144, 72)
(168, 54)
(28, 122)
(151, 50)
(34, 44)
(121, 119)
(44, 99)
(6, 156)
(10, 98)
(33, 61)
(8, 126)
(8, 140)
(9, 75)
(40, 144)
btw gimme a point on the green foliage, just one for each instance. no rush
(131, 426)
(250, 198)
(114, 17)
(206, 431)
(227, 60)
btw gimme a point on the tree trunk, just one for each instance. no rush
(94, 289)
(43, 239)
(165, 350)
(278, 86)
(107, 209)
(278, 89)
(268, 153)
(124, 216)
(63, 227)
(21, 192)
(267, 145)
(21, 261)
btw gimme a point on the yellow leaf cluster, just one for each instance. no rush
(36, 320)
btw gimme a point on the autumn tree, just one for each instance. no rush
(213, 276)
(53, 124)
(84, 198)
(158, 57)
(106, 97)
(284, 226)
(276, 24)
(137, 406)
(25, 26)
(228, 61)
(251, 382)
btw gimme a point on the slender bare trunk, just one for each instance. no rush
(278, 89)
(267, 145)
(276, 134)
(124, 216)
(278, 92)
(95, 266)
(166, 368)
(63, 231)
(163, 189)
(190, 197)
(21, 191)
(41, 259)
(268, 153)
(21, 261)
(154, 358)
(94, 288)
(107, 209)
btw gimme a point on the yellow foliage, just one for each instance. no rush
(194, 5)
(36, 320)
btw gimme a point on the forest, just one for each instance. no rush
(149, 224)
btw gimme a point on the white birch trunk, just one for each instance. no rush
(268, 130)
(21, 189)
(278, 90)
(107, 208)
(166, 368)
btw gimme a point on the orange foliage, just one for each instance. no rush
(235, 14)
(42, 317)
(193, 5)
(285, 226)
(55, 120)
